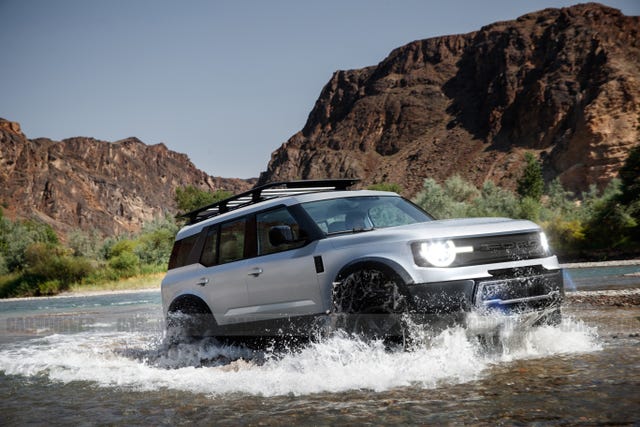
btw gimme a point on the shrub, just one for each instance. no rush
(565, 236)
(190, 198)
(530, 209)
(50, 287)
(495, 202)
(433, 199)
(156, 241)
(126, 264)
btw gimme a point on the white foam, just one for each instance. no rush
(336, 364)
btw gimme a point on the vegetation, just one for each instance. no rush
(598, 224)
(595, 224)
(34, 262)
(191, 198)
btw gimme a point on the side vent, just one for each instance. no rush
(319, 264)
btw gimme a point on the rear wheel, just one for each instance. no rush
(369, 302)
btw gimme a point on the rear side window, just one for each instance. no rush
(181, 250)
(232, 240)
(210, 251)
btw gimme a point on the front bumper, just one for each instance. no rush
(513, 290)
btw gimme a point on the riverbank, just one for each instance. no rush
(131, 284)
(620, 263)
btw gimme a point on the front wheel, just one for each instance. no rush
(369, 302)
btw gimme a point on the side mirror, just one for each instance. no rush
(280, 234)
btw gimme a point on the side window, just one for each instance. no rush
(266, 221)
(180, 252)
(209, 255)
(232, 240)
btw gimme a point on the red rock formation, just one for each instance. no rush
(563, 83)
(83, 183)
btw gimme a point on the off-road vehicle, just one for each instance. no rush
(286, 257)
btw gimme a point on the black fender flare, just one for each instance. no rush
(384, 264)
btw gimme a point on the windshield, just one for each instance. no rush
(353, 214)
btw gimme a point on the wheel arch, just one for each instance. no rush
(189, 303)
(387, 265)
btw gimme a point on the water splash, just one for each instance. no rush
(335, 364)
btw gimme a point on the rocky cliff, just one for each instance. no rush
(83, 183)
(562, 83)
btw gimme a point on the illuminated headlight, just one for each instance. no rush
(437, 253)
(544, 243)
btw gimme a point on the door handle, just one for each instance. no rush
(202, 281)
(255, 272)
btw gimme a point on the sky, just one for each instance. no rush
(225, 82)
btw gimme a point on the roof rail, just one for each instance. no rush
(265, 192)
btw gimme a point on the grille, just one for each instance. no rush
(502, 248)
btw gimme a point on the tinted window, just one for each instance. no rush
(209, 255)
(266, 221)
(181, 250)
(232, 240)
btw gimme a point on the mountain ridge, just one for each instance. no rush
(88, 184)
(561, 83)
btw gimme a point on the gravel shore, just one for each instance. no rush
(616, 298)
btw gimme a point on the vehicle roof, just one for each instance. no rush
(192, 229)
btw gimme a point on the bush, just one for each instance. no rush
(46, 263)
(126, 264)
(190, 198)
(433, 199)
(16, 237)
(495, 202)
(156, 241)
(530, 209)
(565, 237)
(84, 244)
(50, 287)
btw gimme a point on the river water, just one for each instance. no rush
(101, 360)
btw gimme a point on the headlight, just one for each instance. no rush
(437, 253)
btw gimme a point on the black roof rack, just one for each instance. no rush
(265, 192)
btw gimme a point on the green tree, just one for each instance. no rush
(190, 198)
(630, 191)
(608, 222)
(16, 236)
(155, 242)
(84, 244)
(630, 177)
(531, 183)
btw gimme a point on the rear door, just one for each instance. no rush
(224, 278)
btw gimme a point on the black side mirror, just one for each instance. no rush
(280, 234)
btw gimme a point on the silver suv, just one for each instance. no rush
(283, 258)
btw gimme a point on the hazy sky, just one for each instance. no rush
(225, 82)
